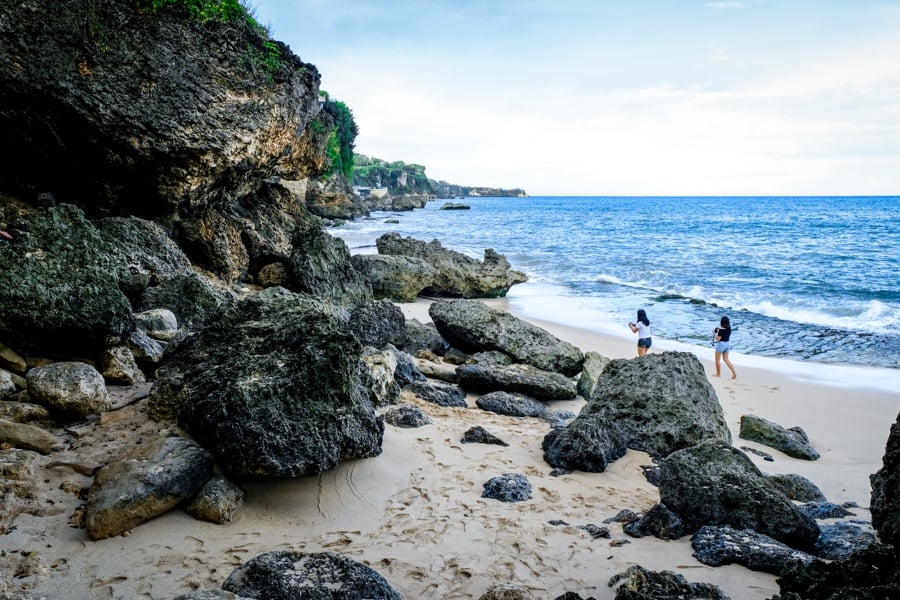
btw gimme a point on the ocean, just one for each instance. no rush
(808, 279)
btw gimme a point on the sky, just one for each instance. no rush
(616, 97)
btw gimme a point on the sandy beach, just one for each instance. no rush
(415, 513)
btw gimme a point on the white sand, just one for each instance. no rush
(415, 513)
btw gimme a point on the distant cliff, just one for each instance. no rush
(409, 179)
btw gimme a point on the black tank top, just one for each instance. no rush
(724, 334)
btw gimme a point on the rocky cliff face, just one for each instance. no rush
(154, 114)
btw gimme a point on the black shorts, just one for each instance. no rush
(645, 342)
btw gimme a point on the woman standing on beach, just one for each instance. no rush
(722, 335)
(642, 328)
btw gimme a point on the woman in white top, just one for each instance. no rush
(642, 328)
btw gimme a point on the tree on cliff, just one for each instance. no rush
(342, 139)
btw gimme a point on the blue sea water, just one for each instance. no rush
(807, 278)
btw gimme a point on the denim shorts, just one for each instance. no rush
(645, 342)
(723, 347)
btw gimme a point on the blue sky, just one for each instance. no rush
(616, 97)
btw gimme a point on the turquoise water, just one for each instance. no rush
(809, 279)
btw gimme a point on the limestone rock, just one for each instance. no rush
(406, 371)
(383, 389)
(523, 379)
(144, 348)
(591, 370)
(286, 575)
(479, 435)
(587, 444)
(436, 392)
(886, 491)
(458, 276)
(423, 337)
(7, 386)
(472, 326)
(793, 442)
(723, 545)
(159, 323)
(514, 405)
(190, 297)
(22, 412)
(660, 403)
(639, 583)
(119, 366)
(378, 324)
(507, 591)
(153, 479)
(398, 278)
(267, 371)
(211, 595)
(217, 501)
(28, 437)
(841, 540)
(70, 389)
(407, 416)
(509, 487)
(10, 359)
(659, 522)
(714, 484)
(870, 574)
(798, 488)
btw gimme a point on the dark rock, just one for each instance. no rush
(407, 416)
(841, 540)
(59, 290)
(118, 366)
(378, 324)
(798, 488)
(442, 394)
(793, 442)
(714, 484)
(661, 403)
(625, 516)
(595, 531)
(586, 444)
(454, 206)
(406, 371)
(261, 376)
(823, 510)
(637, 583)
(151, 480)
(512, 405)
(286, 575)
(479, 435)
(651, 474)
(491, 357)
(217, 501)
(472, 326)
(523, 379)
(320, 265)
(659, 522)
(509, 487)
(573, 596)
(885, 504)
(158, 323)
(507, 591)
(215, 594)
(724, 545)
(764, 455)
(871, 574)
(190, 297)
(422, 337)
(458, 276)
(398, 278)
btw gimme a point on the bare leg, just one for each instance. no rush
(730, 366)
(718, 366)
(641, 351)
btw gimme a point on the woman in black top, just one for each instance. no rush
(723, 345)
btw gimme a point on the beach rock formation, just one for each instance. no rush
(794, 442)
(437, 392)
(586, 444)
(253, 384)
(841, 540)
(712, 483)
(886, 491)
(510, 404)
(658, 404)
(518, 378)
(458, 276)
(472, 326)
(591, 370)
(70, 390)
(480, 435)
(797, 488)
(151, 480)
(217, 501)
(638, 582)
(509, 487)
(659, 522)
(285, 575)
(399, 278)
(870, 574)
(723, 545)
(407, 416)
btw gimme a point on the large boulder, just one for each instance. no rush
(794, 442)
(68, 389)
(714, 484)
(660, 402)
(273, 386)
(886, 491)
(458, 276)
(59, 290)
(399, 278)
(287, 575)
(587, 444)
(151, 480)
(472, 326)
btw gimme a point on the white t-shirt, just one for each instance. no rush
(643, 330)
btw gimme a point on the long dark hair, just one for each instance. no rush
(642, 317)
(725, 322)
